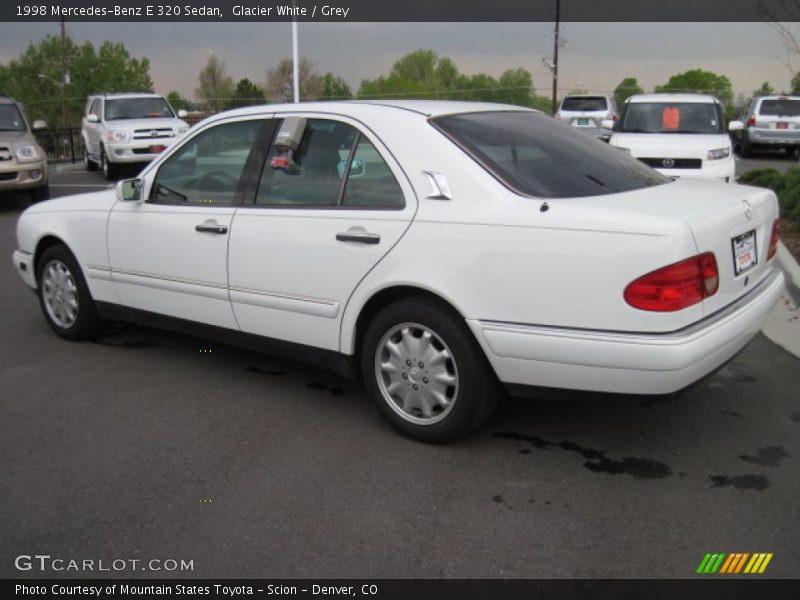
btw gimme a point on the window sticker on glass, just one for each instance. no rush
(671, 118)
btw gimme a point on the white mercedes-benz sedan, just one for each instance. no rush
(439, 249)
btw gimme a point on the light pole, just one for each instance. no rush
(295, 65)
(63, 88)
(555, 55)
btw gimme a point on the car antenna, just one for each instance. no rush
(544, 207)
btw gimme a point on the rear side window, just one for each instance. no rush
(535, 155)
(780, 108)
(584, 103)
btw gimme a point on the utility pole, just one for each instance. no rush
(64, 76)
(295, 58)
(555, 55)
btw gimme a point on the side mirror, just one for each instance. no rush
(735, 126)
(39, 125)
(129, 190)
(607, 124)
(182, 114)
(92, 118)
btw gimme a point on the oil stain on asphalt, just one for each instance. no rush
(769, 456)
(596, 460)
(740, 482)
(252, 369)
(334, 390)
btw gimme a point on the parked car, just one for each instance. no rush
(23, 162)
(679, 135)
(125, 128)
(586, 113)
(438, 248)
(770, 122)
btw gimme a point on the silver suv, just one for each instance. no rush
(770, 122)
(125, 128)
(587, 113)
(23, 163)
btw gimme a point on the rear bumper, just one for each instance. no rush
(774, 137)
(629, 363)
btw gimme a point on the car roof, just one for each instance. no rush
(354, 108)
(698, 98)
(125, 95)
(6, 99)
(778, 97)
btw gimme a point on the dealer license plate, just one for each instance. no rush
(157, 149)
(781, 125)
(582, 122)
(744, 252)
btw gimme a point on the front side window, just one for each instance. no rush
(10, 118)
(334, 165)
(535, 155)
(137, 108)
(207, 169)
(672, 117)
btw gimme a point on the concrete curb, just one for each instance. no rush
(791, 269)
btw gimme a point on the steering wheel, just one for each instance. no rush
(215, 182)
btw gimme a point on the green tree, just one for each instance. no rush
(34, 77)
(627, 87)
(215, 87)
(177, 101)
(334, 88)
(280, 81)
(795, 84)
(246, 93)
(764, 90)
(703, 82)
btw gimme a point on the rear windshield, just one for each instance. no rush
(671, 117)
(137, 108)
(535, 155)
(780, 108)
(11, 119)
(584, 103)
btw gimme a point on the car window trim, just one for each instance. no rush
(332, 207)
(241, 189)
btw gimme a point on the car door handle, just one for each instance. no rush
(363, 238)
(211, 228)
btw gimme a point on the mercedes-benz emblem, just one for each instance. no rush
(748, 210)
(668, 163)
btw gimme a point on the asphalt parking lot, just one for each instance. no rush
(147, 444)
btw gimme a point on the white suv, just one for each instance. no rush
(586, 113)
(680, 135)
(124, 128)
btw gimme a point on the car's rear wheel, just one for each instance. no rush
(64, 296)
(746, 147)
(109, 168)
(426, 372)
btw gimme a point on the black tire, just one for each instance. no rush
(86, 323)
(88, 162)
(109, 168)
(40, 194)
(746, 147)
(474, 395)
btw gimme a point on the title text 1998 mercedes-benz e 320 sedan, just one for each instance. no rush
(438, 248)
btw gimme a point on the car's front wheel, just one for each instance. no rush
(88, 163)
(109, 168)
(426, 372)
(64, 296)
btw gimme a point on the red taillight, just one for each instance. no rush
(773, 241)
(676, 286)
(751, 122)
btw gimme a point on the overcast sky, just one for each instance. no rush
(596, 56)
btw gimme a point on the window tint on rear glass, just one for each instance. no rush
(780, 108)
(535, 155)
(584, 103)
